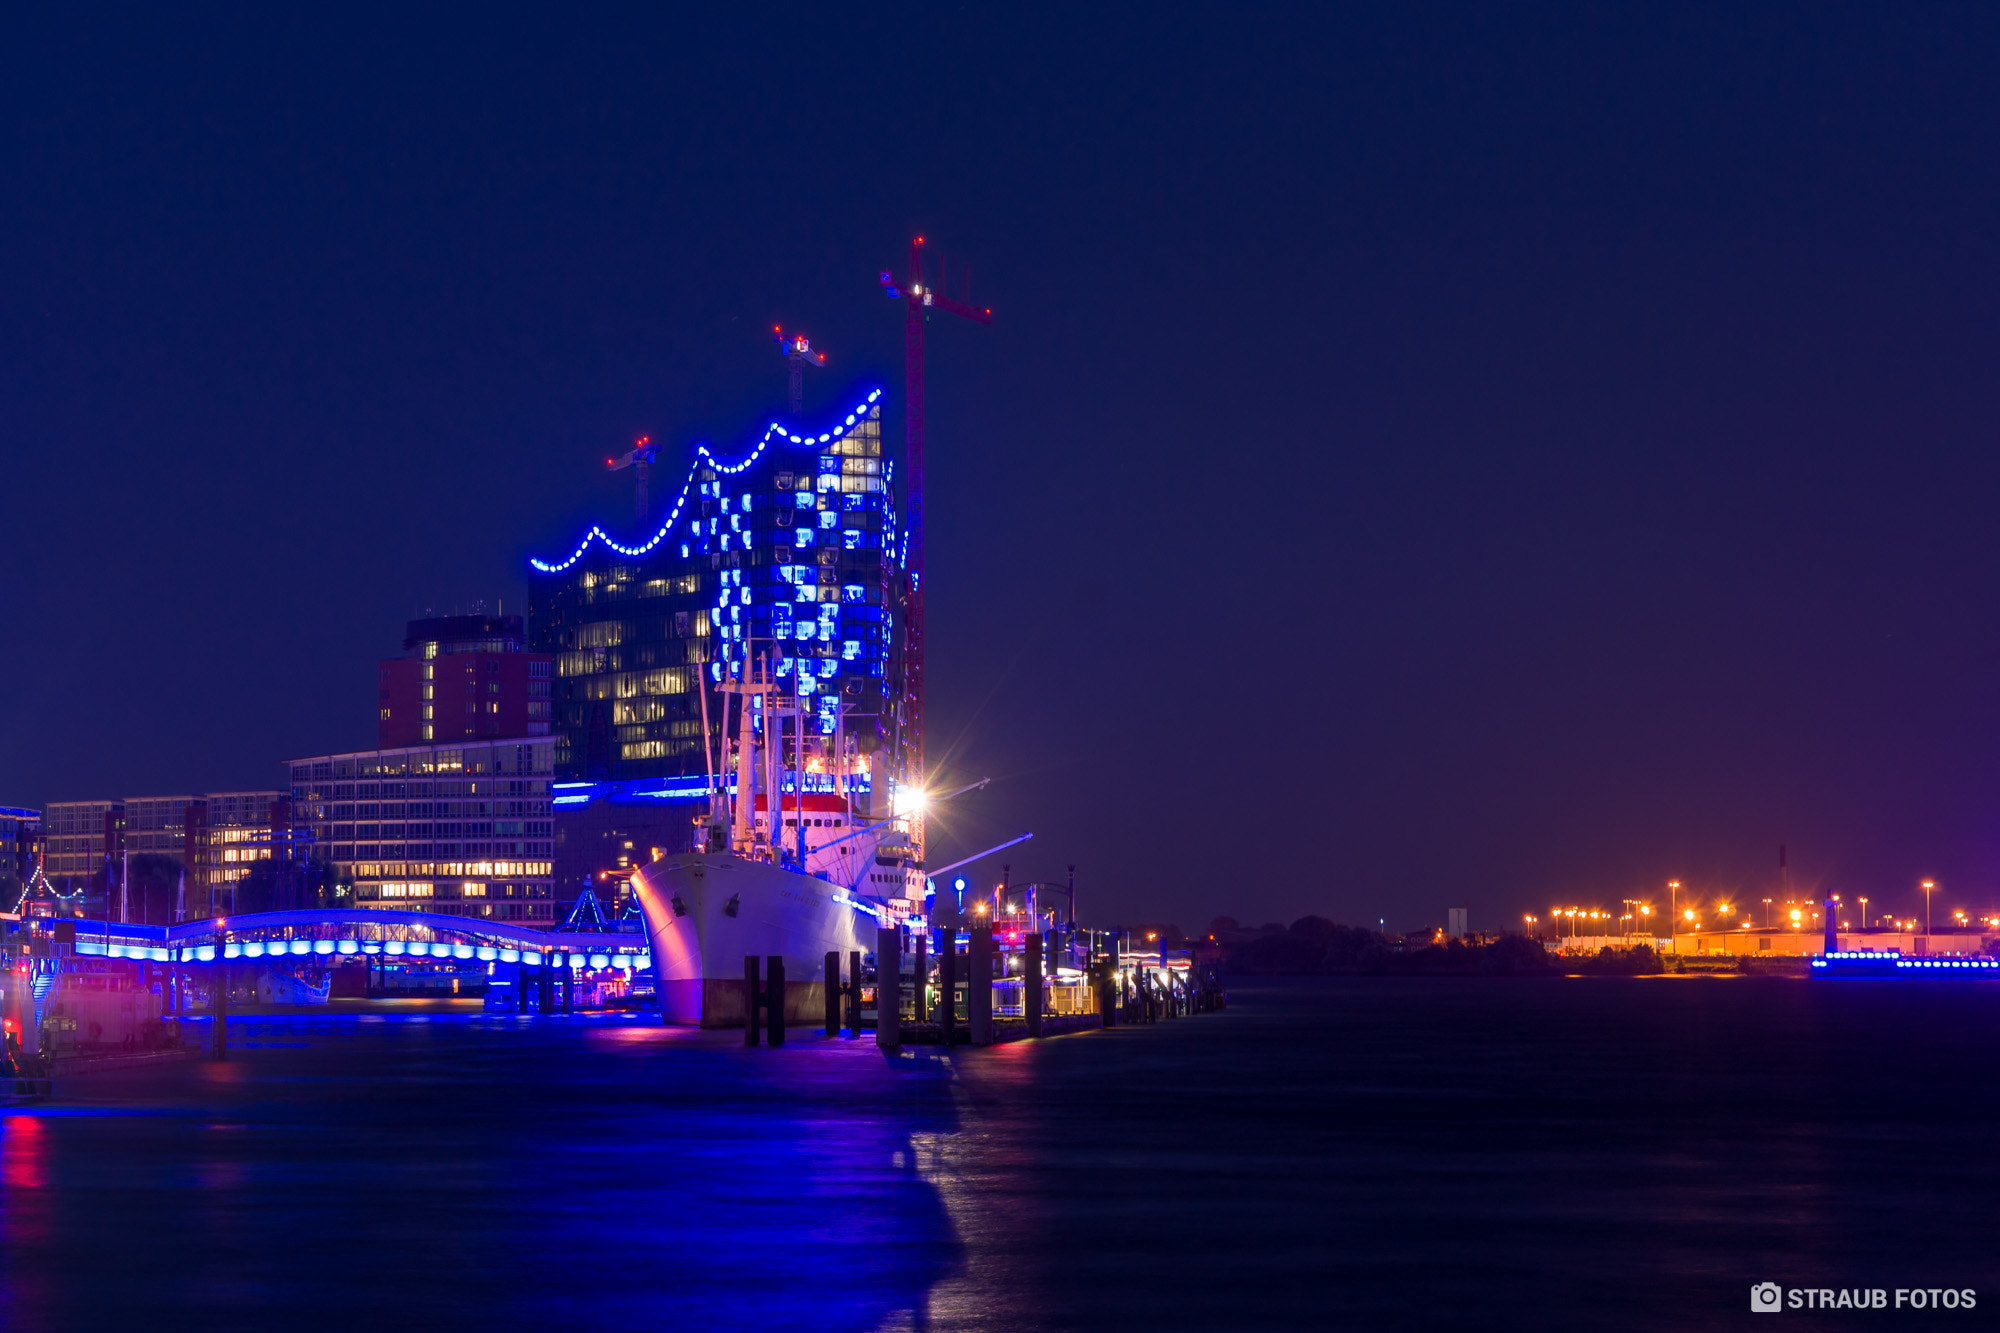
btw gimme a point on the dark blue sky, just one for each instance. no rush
(1441, 457)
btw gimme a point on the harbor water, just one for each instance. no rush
(1362, 1153)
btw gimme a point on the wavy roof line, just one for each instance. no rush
(702, 451)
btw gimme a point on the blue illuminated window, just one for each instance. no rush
(829, 519)
(804, 500)
(803, 537)
(684, 550)
(850, 649)
(803, 631)
(850, 540)
(807, 593)
(853, 592)
(852, 501)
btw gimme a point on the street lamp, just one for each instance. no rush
(1864, 916)
(1764, 921)
(1928, 886)
(1673, 888)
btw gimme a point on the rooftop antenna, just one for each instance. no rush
(640, 459)
(918, 302)
(797, 350)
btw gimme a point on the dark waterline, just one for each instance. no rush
(1367, 1154)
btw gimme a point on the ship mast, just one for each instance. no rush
(743, 827)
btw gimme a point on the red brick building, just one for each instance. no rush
(463, 678)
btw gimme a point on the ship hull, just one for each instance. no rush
(705, 913)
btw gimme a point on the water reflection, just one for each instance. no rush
(462, 1170)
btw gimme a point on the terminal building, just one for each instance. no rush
(463, 828)
(783, 548)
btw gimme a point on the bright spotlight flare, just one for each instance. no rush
(913, 802)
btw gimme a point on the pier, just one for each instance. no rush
(85, 993)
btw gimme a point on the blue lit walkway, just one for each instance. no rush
(353, 933)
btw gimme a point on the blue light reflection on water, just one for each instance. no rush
(462, 1170)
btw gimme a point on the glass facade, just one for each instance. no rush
(787, 551)
(463, 829)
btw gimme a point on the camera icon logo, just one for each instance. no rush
(1767, 1298)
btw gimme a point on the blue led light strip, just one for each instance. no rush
(701, 451)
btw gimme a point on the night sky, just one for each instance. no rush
(1435, 458)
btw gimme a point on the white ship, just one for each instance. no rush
(817, 879)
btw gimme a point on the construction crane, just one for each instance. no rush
(640, 459)
(919, 300)
(797, 349)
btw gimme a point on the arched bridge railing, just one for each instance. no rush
(350, 932)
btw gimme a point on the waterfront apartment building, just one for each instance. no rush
(462, 678)
(786, 547)
(462, 828)
(78, 840)
(216, 838)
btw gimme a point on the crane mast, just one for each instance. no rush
(919, 301)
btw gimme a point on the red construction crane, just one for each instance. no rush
(797, 349)
(640, 459)
(919, 301)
